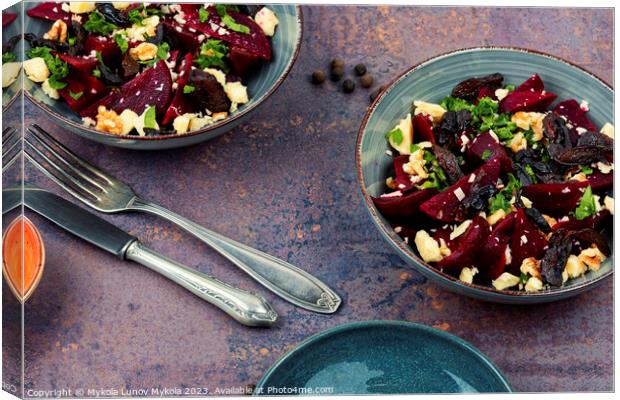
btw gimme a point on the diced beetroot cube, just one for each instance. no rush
(405, 206)
(485, 141)
(532, 84)
(153, 87)
(600, 181)
(8, 18)
(242, 60)
(110, 53)
(86, 89)
(405, 231)
(188, 41)
(255, 42)
(447, 206)
(466, 247)
(181, 103)
(526, 101)
(423, 129)
(526, 241)
(555, 199)
(80, 63)
(572, 111)
(595, 222)
(492, 259)
(50, 11)
(485, 91)
(401, 178)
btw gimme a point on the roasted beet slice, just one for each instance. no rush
(50, 11)
(8, 18)
(596, 221)
(554, 260)
(492, 259)
(405, 206)
(555, 199)
(255, 42)
(423, 129)
(181, 102)
(466, 247)
(243, 61)
(448, 206)
(110, 53)
(153, 87)
(532, 84)
(82, 90)
(179, 37)
(526, 241)
(574, 114)
(526, 101)
(486, 145)
(600, 181)
(80, 63)
(402, 179)
(208, 93)
(486, 92)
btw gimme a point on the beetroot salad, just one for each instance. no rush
(149, 69)
(494, 186)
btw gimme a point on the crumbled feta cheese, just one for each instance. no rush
(181, 123)
(121, 5)
(523, 239)
(36, 69)
(139, 122)
(575, 267)
(526, 202)
(267, 20)
(427, 247)
(464, 141)
(236, 92)
(609, 204)
(398, 229)
(496, 217)
(605, 168)
(65, 7)
(472, 178)
(501, 93)
(10, 72)
(566, 190)
(129, 119)
(458, 192)
(88, 121)
(530, 266)
(435, 111)
(530, 120)
(608, 129)
(425, 145)
(389, 153)
(397, 193)
(508, 255)
(494, 135)
(81, 7)
(459, 230)
(505, 280)
(197, 123)
(584, 106)
(467, 275)
(50, 91)
(533, 284)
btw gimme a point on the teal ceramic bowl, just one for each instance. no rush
(431, 81)
(261, 84)
(382, 357)
(11, 92)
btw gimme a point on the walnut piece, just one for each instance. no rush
(143, 52)
(58, 31)
(108, 121)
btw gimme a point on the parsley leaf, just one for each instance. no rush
(586, 169)
(98, 24)
(75, 96)
(221, 9)
(228, 21)
(587, 205)
(395, 136)
(203, 14)
(456, 104)
(162, 50)
(58, 68)
(510, 88)
(122, 42)
(96, 73)
(486, 154)
(55, 83)
(8, 57)
(502, 199)
(149, 118)
(437, 178)
(136, 15)
(212, 54)
(188, 89)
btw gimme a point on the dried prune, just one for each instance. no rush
(590, 138)
(10, 44)
(579, 155)
(453, 124)
(469, 88)
(159, 35)
(478, 198)
(554, 128)
(554, 260)
(56, 45)
(129, 66)
(111, 14)
(535, 216)
(208, 92)
(591, 236)
(449, 163)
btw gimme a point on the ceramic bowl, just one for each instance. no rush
(382, 357)
(261, 84)
(431, 81)
(10, 93)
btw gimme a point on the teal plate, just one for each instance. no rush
(261, 84)
(431, 81)
(382, 357)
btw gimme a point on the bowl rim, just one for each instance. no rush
(404, 250)
(415, 327)
(230, 119)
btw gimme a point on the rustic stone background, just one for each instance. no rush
(285, 183)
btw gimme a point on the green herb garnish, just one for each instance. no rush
(486, 154)
(587, 205)
(122, 42)
(229, 22)
(58, 68)
(136, 15)
(510, 88)
(162, 51)
(212, 54)
(203, 14)
(530, 172)
(8, 57)
(96, 73)
(98, 24)
(395, 136)
(149, 118)
(456, 104)
(586, 169)
(75, 96)
(187, 89)
(502, 199)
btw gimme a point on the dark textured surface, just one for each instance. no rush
(285, 183)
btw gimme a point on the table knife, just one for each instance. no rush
(247, 308)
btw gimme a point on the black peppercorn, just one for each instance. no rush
(337, 74)
(318, 77)
(360, 69)
(348, 86)
(337, 63)
(367, 80)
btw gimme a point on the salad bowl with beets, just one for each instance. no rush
(139, 71)
(501, 185)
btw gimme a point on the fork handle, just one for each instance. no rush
(248, 308)
(287, 281)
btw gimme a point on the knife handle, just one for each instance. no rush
(247, 308)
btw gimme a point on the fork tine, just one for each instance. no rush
(8, 134)
(60, 176)
(9, 145)
(72, 156)
(78, 173)
(9, 159)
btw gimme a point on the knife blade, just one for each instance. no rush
(248, 308)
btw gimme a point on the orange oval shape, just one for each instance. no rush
(22, 245)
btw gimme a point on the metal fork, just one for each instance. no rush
(11, 146)
(107, 194)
